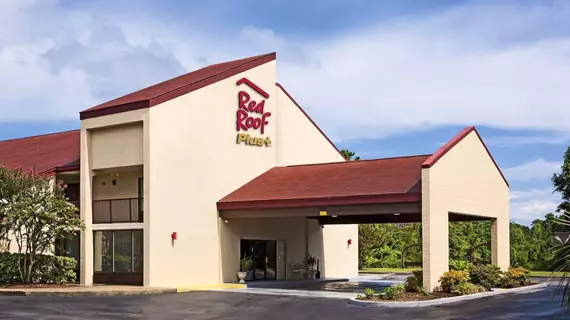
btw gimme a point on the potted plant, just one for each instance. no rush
(245, 265)
(311, 261)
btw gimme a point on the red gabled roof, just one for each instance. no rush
(451, 143)
(353, 182)
(176, 87)
(45, 153)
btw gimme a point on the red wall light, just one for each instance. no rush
(349, 241)
(174, 236)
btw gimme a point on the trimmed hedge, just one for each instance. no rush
(47, 269)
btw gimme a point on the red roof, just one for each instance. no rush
(451, 143)
(176, 87)
(44, 153)
(353, 182)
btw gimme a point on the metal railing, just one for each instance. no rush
(118, 210)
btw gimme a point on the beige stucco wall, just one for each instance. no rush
(190, 159)
(118, 146)
(341, 259)
(292, 230)
(466, 181)
(300, 142)
(126, 185)
(121, 125)
(193, 141)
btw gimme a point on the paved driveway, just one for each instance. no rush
(227, 305)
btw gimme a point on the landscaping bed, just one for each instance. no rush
(412, 296)
(455, 285)
(36, 286)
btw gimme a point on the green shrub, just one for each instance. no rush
(56, 269)
(369, 293)
(9, 268)
(452, 278)
(459, 265)
(488, 276)
(47, 269)
(515, 277)
(394, 291)
(415, 283)
(464, 288)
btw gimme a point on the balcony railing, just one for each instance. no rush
(118, 210)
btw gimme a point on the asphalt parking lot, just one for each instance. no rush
(226, 305)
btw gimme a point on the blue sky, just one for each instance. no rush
(382, 78)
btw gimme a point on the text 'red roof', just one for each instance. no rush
(176, 87)
(43, 153)
(352, 182)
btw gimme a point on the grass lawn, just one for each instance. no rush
(387, 270)
(546, 274)
(400, 270)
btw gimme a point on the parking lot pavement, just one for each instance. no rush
(228, 305)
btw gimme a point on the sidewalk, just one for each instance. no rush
(75, 290)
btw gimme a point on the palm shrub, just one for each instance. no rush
(369, 293)
(394, 291)
(488, 276)
(464, 288)
(515, 277)
(453, 278)
(415, 283)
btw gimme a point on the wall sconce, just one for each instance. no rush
(349, 242)
(174, 236)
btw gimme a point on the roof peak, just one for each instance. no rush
(167, 90)
(359, 161)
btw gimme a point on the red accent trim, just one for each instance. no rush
(147, 103)
(451, 143)
(310, 119)
(253, 86)
(69, 168)
(317, 202)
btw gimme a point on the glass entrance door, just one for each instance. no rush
(263, 253)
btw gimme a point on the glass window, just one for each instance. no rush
(118, 251)
(103, 251)
(138, 251)
(123, 251)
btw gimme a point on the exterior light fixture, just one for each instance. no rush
(396, 214)
(334, 216)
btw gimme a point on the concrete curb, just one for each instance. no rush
(213, 287)
(426, 303)
(84, 293)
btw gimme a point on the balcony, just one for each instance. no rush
(118, 210)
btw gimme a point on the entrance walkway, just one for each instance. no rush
(326, 288)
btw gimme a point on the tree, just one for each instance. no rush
(37, 212)
(561, 182)
(348, 155)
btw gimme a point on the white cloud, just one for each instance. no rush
(521, 141)
(538, 169)
(529, 205)
(494, 65)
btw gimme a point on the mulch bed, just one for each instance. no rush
(36, 286)
(414, 296)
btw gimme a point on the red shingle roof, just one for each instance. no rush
(353, 182)
(176, 87)
(44, 153)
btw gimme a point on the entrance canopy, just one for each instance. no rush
(363, 191)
